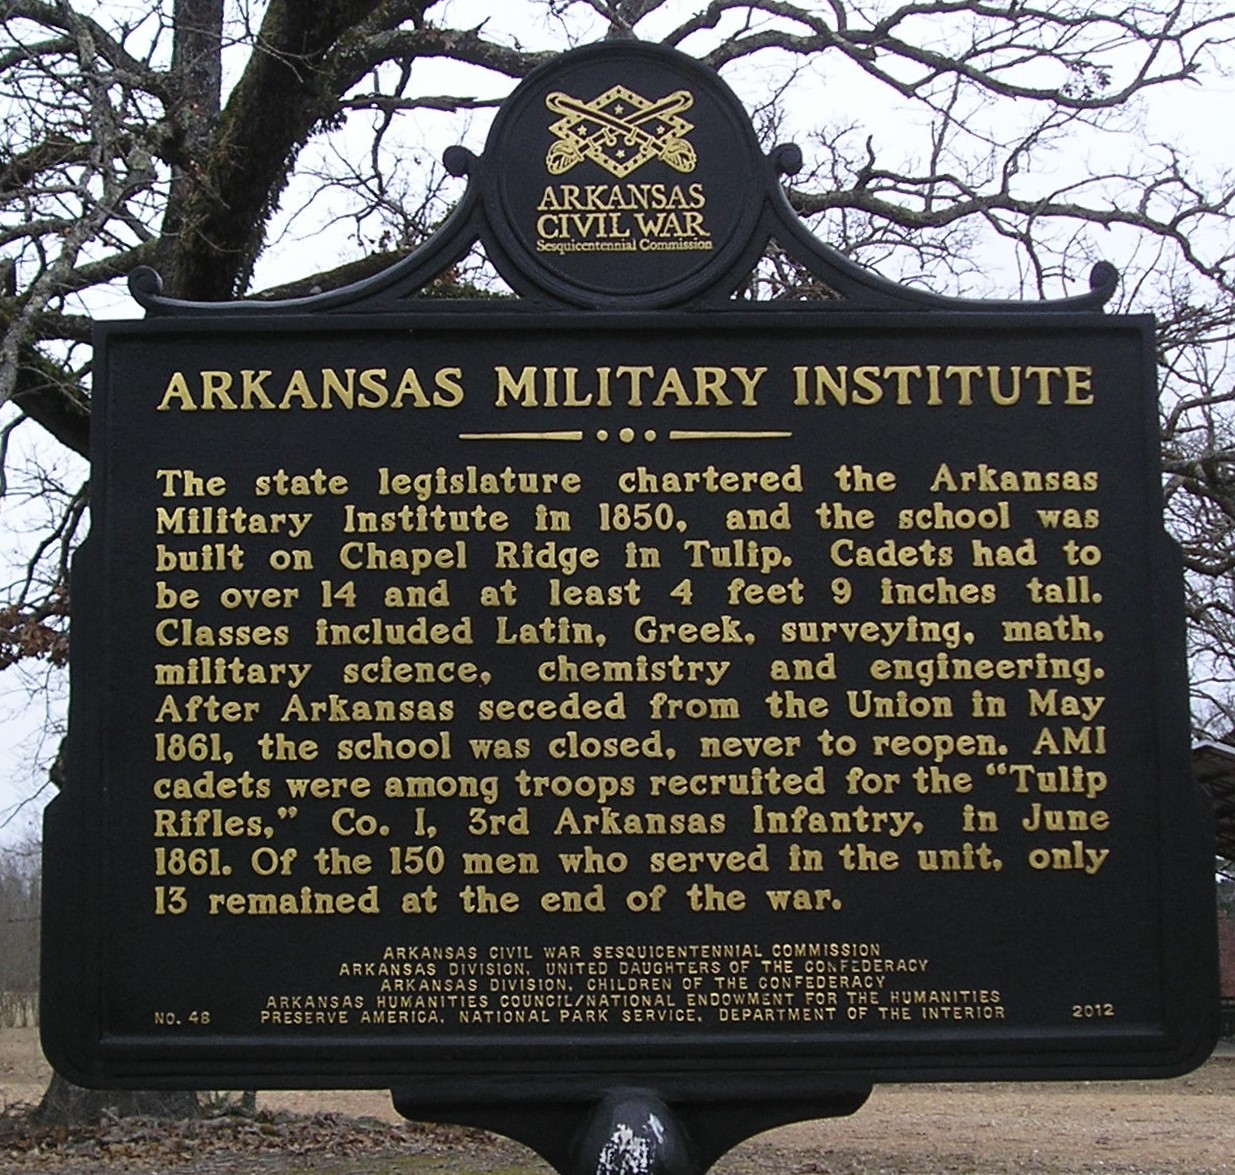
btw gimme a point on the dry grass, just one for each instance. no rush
(1184, 1126)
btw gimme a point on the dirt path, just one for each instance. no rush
(1185, 1126)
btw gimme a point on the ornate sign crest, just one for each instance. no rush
(612, 176)
(620, 131)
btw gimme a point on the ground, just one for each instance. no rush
(1184, 1126)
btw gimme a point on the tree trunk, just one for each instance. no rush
(197, 66)
(66, 1104)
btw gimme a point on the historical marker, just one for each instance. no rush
(626, 684)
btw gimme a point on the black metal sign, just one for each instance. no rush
(737, 698)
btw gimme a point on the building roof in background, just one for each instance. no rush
(1214, 766)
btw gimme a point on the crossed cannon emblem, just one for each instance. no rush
(621, 131)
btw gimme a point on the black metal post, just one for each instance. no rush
(632, 1130)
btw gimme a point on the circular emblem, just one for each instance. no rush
(622, 173)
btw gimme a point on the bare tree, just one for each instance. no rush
(19, 935)
(195, 135)
(1199, 435)
(199, 136)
